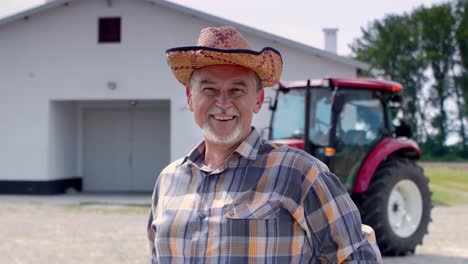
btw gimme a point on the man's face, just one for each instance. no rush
(223, 99)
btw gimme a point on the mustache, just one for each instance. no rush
(218, 111)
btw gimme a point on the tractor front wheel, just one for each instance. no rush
(397, 206)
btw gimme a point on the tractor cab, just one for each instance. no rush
(339, 121)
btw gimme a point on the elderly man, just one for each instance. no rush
(236, 198)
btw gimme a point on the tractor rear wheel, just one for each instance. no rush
(397, 206)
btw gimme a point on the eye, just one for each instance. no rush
(209, 91)
(237, 92)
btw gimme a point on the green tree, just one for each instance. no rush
(430, 40)
(461, 80)
(391, 46)
(437, 35)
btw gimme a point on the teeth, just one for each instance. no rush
(223, 117)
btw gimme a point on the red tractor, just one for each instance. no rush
(348, 124)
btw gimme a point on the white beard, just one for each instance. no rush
(234, 137)
(230, 139)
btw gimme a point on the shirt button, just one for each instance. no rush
(201, 215)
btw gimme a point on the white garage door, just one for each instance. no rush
(125, 148)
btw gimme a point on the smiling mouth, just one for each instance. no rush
(223, 117)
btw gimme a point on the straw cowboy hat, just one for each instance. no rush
(224, 45)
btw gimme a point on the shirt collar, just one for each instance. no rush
(250, 146)
(247, 149)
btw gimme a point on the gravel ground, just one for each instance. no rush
(51, 233)
(72, 234)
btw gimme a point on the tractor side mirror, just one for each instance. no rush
(403, 130)
(396, 98)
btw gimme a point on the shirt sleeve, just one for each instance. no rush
(151, 233)
(337, 234)
(150, 228)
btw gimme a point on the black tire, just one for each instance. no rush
(373, 205)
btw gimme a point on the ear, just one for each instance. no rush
(259, 102)
(188, 93)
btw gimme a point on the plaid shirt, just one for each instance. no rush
(268, 203)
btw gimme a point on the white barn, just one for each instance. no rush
(87, 99)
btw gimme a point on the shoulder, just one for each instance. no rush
(170, 172)
(300, 172)
(281, 154)
(174, 166)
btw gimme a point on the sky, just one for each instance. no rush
(299, 20)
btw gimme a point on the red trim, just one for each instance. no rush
(368, 83)
(295, 143)
(385, 147)
(300, 84)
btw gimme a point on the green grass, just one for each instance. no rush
(449, 186)
(446, 197)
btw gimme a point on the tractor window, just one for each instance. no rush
(361, 121)
(288, 119)
(320, 117)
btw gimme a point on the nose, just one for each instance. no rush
(223, 100)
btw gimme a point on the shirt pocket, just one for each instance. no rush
(254, 211)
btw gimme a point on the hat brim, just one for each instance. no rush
(267, 63)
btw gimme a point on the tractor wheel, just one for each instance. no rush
(397, 206)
